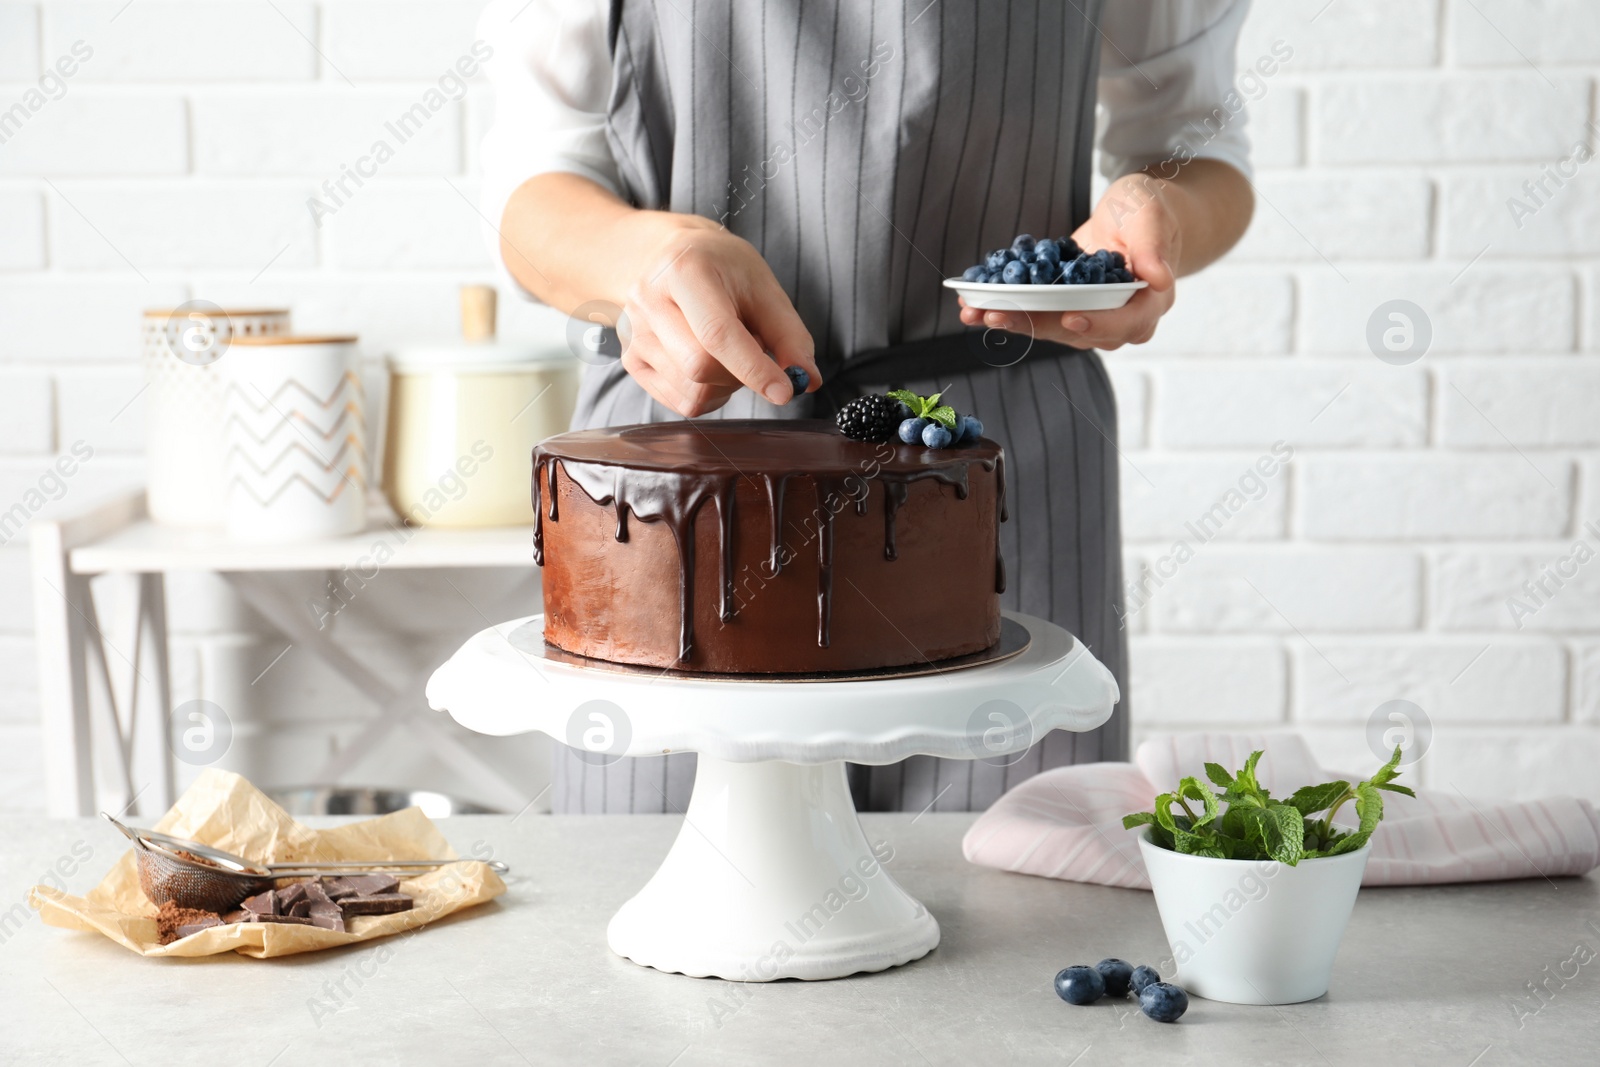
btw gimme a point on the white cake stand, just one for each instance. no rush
(771, 875)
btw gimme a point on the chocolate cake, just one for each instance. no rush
(767, 546)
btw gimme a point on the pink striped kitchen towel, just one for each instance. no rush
(1067, 823)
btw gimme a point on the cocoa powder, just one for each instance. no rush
(170, 917)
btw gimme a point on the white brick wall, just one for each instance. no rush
(303, 132)
(1489, 117)
(21, 230)
(1503, 33)
(132, 135)
(19, 41)
(184, 41)
(1376, 565)
(1423, 496)
(180, 228)
(1488, 307)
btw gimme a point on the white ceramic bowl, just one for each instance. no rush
(998, 296)
(1253, 932)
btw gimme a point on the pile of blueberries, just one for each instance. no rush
(1161, 1001)
(920, 431)
(1048, 261)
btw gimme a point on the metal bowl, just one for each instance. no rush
(359, 800)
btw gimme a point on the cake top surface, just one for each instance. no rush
(747, 446)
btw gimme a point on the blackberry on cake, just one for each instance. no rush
(870, 418)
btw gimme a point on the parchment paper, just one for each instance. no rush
(226, 811)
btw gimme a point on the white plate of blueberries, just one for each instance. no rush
(1047, 274)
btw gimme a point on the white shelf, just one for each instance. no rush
(146, 547)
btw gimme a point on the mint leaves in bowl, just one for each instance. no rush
(1255, 892)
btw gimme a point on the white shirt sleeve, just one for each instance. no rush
(1167, 84)
(551, 75)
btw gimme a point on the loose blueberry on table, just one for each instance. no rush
(1163, 1002)
(1117, 973)
(1080, 985)
(1049, 262)
(1143, 976)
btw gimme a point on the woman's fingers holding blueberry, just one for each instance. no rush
(779, 328)
(711, 313)
(650, 364)
(682, 355)
(717, 320)
(687, 399)
(665, 357)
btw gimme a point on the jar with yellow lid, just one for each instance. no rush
(464, 417)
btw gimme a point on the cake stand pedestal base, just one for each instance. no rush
(772, 877)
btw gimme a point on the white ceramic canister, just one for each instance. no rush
(463, 420)
(179, 350)
(294, 427)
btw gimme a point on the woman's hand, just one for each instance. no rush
(699, 308)
(1166, 227)
(700, 318)
(1134, 218)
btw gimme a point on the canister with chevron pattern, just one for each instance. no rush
(294, 428)
(179, 349)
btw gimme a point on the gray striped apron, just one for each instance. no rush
(870, 149)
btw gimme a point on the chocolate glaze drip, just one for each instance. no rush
(894, 496)
(724, 502)
(671, 497)
(1000, 494)
(665, 472)
(538, 515)
(775, 487)
(827, 494)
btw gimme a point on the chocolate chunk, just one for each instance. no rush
(194, 928)
(262, 903)
(338, 888)
(376, 904)
(239, 915)
(370, 885)
(327, 916)
(311, 897)
(295, 920)
(287, 895)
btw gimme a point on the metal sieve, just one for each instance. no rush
(226, 880)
